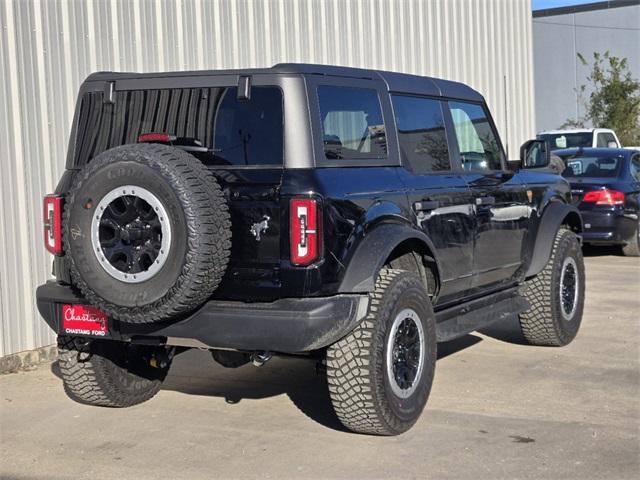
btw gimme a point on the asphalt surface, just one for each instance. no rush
(498, 409)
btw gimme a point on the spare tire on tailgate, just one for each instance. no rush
(148, 232)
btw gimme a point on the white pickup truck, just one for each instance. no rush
(584, 137)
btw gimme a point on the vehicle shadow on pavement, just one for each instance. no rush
(507, 330)
(602, 251)
(196, 373)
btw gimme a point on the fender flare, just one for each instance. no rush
(374, 249)
(553, 216)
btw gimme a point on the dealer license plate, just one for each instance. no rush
(83, 320)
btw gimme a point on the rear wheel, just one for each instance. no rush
(556, 295)
(111, 374)
(632, 247)
(380, 375)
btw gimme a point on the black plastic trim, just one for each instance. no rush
(553, 217)
(455, 322)
(372, 252)
(289, 325)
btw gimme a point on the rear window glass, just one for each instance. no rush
(592, 167)
(421, 133)
(249, 132)
(568, 140)
(352, 125)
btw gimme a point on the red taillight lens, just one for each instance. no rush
(604, 197)
(305, 231)
(155, 137)
(52, 217)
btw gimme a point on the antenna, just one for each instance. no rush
(506, 115)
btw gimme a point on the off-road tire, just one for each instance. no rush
(544, 323)
(109, 374)
(198, 215)
(359, 385)
(632, 247)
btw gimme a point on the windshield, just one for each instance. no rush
(568, 140)
(578, 167)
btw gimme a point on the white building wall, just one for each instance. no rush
(47, 47)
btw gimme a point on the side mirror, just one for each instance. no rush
(612, 145)
(535, 154)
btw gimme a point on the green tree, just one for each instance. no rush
(614, 101)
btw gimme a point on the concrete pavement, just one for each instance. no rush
(498, 409)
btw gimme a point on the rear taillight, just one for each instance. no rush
(156, 137)
(604, 197)
(52, 217)
(305, 231)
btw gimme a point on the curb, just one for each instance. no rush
(27, 360)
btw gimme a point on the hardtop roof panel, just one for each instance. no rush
(396, 82)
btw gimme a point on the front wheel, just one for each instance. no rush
(380, 374)
(556, 295)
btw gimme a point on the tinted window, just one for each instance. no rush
(478, 143)
(352, 124)
(635, 167)
(568, 140)
(598, 167)
(249, 132)
(421, 133)
(605, 138)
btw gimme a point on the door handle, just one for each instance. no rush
(426, 205)
(485, 201)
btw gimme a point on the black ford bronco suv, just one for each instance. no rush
(354, 216)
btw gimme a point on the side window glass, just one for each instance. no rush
(249, 132)
(609, 139)
(635, 167)
(478, 143)
(421, 133)
(352, 125)
(602, 140)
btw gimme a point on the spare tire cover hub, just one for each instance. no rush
(131, 234)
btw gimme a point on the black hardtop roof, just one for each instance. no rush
(396, 82)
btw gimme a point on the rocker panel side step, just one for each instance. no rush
(457, 321)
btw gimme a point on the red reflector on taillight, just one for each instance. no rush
(52, 217)
(155, 137)
(305, 231)
(604, 197)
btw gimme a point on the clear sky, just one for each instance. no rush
(540, 4)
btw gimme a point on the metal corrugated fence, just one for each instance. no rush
(47, 47)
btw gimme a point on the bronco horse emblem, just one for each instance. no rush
(259, 228)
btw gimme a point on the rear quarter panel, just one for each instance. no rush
(349, 211)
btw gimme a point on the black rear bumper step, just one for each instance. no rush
(455, 322)
(290, 325)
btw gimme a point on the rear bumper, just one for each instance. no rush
(288, 325)
(608, 227)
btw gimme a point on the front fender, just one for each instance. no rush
(372, 252)
(553, 216)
